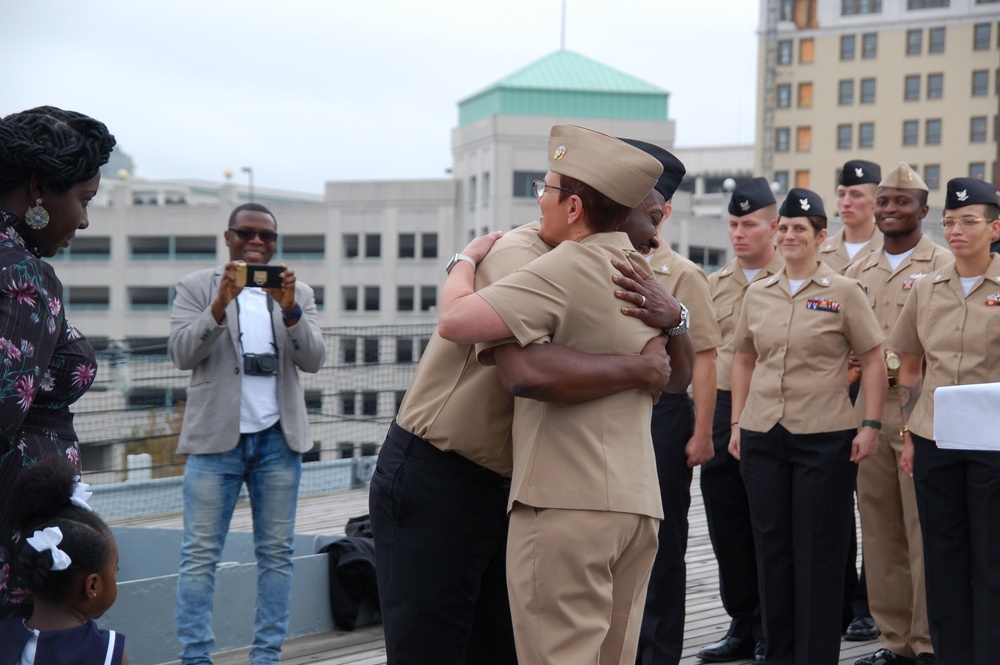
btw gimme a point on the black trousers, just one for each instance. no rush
(661, 635)
(728, 513)
(800, 488)
(440, 527)
(958, 500)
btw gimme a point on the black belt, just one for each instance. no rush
(42, 421)
(414, 445)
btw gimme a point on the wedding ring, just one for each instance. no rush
(643, 303)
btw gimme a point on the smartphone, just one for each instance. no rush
(258, 275)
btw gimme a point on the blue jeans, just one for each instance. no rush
(212, 484)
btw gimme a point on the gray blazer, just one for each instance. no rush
(212, 352)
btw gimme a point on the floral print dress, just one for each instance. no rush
(45, 365)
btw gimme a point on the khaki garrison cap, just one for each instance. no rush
(623, 173)
(903, 177)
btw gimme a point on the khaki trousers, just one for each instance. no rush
(894, 552)
(577, 583)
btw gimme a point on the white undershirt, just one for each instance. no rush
(259, 403)
(30, 647)
(795, 284)
(895, 259)
(854, 247)
(750, 274)
(968, 283)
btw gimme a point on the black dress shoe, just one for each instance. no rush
(727, 649)
(759, 652)
(926, 659)
(885, 657)
(862, 629)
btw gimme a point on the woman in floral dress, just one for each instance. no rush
(49, 171)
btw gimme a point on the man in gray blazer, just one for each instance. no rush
(245, 421)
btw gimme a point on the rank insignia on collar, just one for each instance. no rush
(823, 305)
(824, 281)
(993, 300)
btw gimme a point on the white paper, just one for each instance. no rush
(965, 416)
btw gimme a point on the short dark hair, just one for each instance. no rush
(41, 499)
(921, 197)
(818, 223)
(991, 211)
(252, 207)
(603, 214)
(59, 148)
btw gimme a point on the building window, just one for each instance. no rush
(373, 246)
(371, 350)
(428, 245)
(407, 245)
(867, 91)
(785, 52)
(935, 86)
(472, 192)
(845, 96)
(369, 403)
(807, 50)
(805, 95)
(150, 297)
(932, 134)
(977, 129)
(404, 298)
(852, 7)
(914, 42)
(319, 297)
(981, 37)
(845, 137)
(349, 298)
(87, 297)
(149, 247)
(866, 135)
(977, 170)
(781, 177)
(926, 4)
(349, 350)
(869, 45)
(486, 186)
(299, 247)
(522, 183)
(351, 245)
(371, 298)
(932, 176)
(911, 132)
(803, 139)
(708, 258)
(935, 40)
(847, 43)
(802, 178)
(428, 298)
(784, 96)
(980, 83)
(786, 10)
(347, 407)
(404, 350)
(91, 248)
(911, 88)
(781, 139)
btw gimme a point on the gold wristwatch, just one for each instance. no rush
(903, 430)
(891, 360)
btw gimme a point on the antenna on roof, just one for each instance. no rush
(562, 36)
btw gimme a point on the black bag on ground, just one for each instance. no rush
(352, 573)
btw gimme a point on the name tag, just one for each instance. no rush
(823, 305)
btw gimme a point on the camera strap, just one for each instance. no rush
(270, 320)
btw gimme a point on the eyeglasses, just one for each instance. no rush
(248, 234)
(966, 222)
(539, 187)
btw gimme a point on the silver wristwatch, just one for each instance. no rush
(681, 327)
(456, 258)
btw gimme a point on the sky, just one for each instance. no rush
(306, 91)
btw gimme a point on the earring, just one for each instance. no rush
(37, 217)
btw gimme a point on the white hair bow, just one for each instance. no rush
(81, 492)
(48, 539)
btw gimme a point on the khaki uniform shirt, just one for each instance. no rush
(454, 402)
(802, 343)
(887, 291)
(728, 287)
(594, 455)
(834, 252)
(686, 281)
(958, 335)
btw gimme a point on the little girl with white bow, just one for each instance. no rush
(69, 558)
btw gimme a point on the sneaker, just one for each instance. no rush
(885, 657)
(862, 629)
